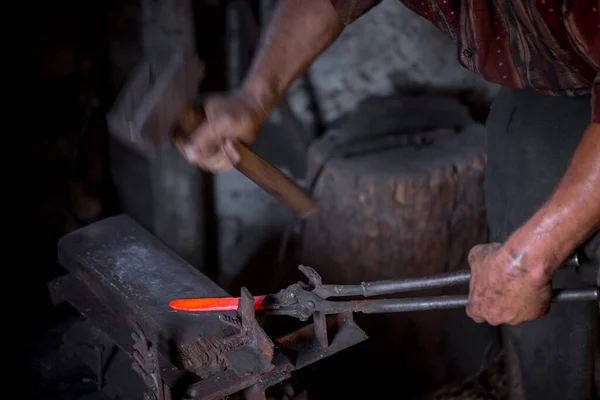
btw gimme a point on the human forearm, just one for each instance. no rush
(569, 216)
(298, 32)
(511, 282)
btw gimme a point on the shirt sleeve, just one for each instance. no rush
(582, 26)
(350, 10)
(596, 100)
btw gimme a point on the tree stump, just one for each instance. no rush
(410, 207)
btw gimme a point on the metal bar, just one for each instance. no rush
(566, 295)
(303, 345)
(434, 303)
(320, 323)
(367, 289)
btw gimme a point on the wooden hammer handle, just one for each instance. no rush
(261, 172)
(271, 179)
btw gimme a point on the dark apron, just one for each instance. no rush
(531, 140)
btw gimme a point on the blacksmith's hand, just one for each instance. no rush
(506, 287)
(510, 282)
(237, 116)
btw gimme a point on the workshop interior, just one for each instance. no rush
(124, 233)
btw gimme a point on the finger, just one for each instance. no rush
(477, 254)
(187, 150)
(472, 312)
(205, 140)
(215, 161)
(231, 152)
(179, 136)
(226, 126)
(476, 319)
(494, 246)
(219, 162)
(498, 316)
(226, 129)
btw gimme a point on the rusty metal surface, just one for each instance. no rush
(82, 339)
(122, 278)
(117, 328)
(252, 365)
(242, 372)
(303, 347)
(292, 352)
(222, 385)
(135, 275)
(119, 254)
(147, 365)
(252, 351)
(302, 300)
(68, 289)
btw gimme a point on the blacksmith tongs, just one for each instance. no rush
(302, 300)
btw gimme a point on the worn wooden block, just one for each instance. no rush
(405, 211)
(402, 212)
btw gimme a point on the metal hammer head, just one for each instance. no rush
(152, 99)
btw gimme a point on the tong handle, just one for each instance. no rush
(378, 288)
(367, 289)
(435, 302)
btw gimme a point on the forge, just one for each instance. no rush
(121, 279)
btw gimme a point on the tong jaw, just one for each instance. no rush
(297, 300)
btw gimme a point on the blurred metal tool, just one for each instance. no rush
(156, 102)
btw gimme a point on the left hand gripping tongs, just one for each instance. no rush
(302, 300)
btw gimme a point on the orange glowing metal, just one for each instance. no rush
(212, 304)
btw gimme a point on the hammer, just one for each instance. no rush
(156, 101)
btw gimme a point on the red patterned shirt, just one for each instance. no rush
(550, 46)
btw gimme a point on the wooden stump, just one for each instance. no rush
(404, 210)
